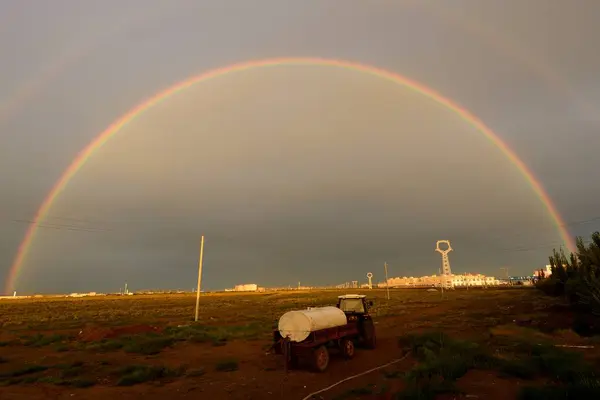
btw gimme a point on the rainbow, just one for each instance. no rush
(85, 154)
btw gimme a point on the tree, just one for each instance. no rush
(577, 277)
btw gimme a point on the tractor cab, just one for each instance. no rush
(354, 304)
(356, 307)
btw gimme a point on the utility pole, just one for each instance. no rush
(387, 282)
(199, 277)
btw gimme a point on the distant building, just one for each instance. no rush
(84, 294)
(547, 271)
(473, 280)
(434, 280)
(248, 287)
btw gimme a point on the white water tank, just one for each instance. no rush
(297, 325)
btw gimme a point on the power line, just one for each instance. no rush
(554, 244)
(70, 219)
(129, 221)
(548, 227)
(184, 217)
(62, 226)
(162, 219)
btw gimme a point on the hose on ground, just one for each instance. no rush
(356, 376)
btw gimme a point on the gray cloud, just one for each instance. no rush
(295, 173)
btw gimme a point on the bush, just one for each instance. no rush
(443, 360)
(576, 290)
(551, 287)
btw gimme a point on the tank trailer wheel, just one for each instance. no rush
(320, 359)
(347, 347)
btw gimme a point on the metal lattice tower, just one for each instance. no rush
(445, 272)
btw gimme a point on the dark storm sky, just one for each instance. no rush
(311, 174)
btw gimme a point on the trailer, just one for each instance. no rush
(310, 334)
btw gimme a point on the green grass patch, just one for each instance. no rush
(217, 335)
(72, 364)
(68, 375)
(59, 381)
(195, 372)
(39, 340)
(136, 374)
(392, 374)
(70, 370)
(439, 355)
(147, 345)
(518, 369)
(352, 393)
(443, 360)
(82, 383)
(556, 364)
(583, 390)
(22, 375)
(227, 366)
(429, 391)
(104, 346)
(29, 369)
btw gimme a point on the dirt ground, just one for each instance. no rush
(68, 334)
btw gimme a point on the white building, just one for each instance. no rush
(473, 280)
(465, 280)
(248, 287)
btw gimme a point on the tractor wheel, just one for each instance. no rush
(320, 359)
(347, 347)
(369, 337)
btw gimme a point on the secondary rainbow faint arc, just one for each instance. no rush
(107, 134)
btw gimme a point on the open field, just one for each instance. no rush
(486, 343)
